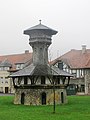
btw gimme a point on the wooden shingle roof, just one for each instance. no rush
(40, 27)
(45, 70)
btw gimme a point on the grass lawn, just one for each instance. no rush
(78, 108)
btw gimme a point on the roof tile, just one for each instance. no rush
(16, 58)
(75, 59)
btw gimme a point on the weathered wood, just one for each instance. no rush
(40, 86)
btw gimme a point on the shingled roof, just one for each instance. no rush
(75, 59)
(40, 27)
(40, 70)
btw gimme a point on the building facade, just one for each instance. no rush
(10, 64)
(76, 62)
(39, 83)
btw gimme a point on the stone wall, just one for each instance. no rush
(34, 96)
(77, 81)
(87, 81)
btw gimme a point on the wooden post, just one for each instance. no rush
(53, 96)
(68, 80)
(54, 99)
(13, 82)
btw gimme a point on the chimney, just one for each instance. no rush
(26, 51)
(83, 49)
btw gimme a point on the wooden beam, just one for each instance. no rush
(41, 86)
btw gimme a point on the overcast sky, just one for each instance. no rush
(71, 18)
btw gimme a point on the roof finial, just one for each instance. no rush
(40, 21)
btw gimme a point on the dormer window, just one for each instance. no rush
(5, 65)
(19, 66)
(60, 65)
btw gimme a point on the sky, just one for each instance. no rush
(71, 18)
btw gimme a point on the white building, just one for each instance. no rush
(9, 64)
(76, 62)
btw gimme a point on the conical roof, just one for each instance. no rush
(40, 27)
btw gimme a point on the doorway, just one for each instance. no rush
(43, 98)
(6, 89)
(22, 98)
(62, 97)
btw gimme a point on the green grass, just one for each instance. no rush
(78, 108)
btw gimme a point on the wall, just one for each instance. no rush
(4, 81)
(34, 96)
(87, 81)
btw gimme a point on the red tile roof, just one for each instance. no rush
(17, 58)
(75, 59)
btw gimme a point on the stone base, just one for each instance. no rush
(40, 96)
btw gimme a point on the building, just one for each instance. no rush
(9, 64)
(76, 62)
(39, 83)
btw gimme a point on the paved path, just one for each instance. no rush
(8, 94)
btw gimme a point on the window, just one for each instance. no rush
(79, 73)
(6, 68)
(19, 66)
(1, 68)
(82, 88)
(6, 81)
(74, 72)
(6, 77)
(60, 65)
